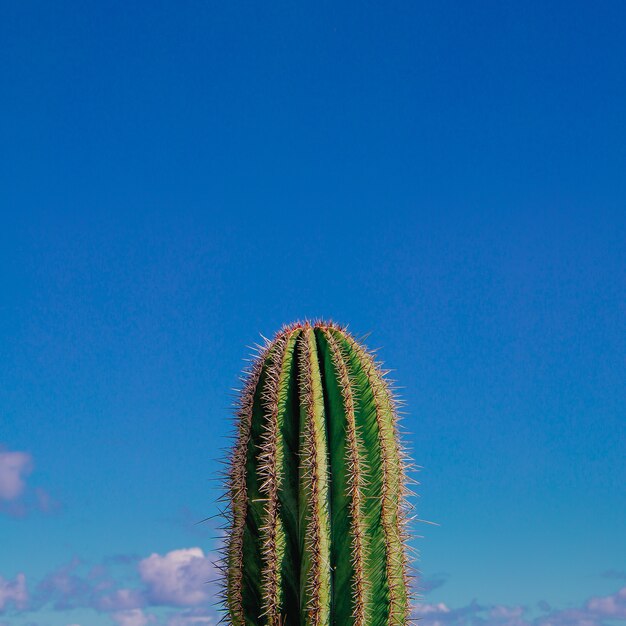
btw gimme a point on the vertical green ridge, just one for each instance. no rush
(239, 494)
(392, 493)
(315, 576)
(376, 537)
(244, 545)
(271, 469)
(252, 592)
(351, 589)
(289, 425)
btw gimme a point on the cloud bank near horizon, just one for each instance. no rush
(179, 588)
(596, 611)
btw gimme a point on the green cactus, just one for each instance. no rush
(316, 488)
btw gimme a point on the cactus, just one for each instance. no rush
(316, 488)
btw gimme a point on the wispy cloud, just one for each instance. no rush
(15, 467)
(120, 600)
(13, 593)
(64, 588)
(16, 498)
(596, 611)
(191, 617)
(133, 617)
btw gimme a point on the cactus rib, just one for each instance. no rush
(315, 573)
(270, 459)
(355, 484)
(238, 493)
(391, 489)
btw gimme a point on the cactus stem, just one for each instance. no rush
(317, 522)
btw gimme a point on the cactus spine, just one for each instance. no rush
(316, 486)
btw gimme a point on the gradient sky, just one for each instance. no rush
(177, 178)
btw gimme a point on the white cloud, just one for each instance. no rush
(429, 609)
(440, 614)
(133, 617)
(194, 617)
(178, 578)
(13, 591)
(14, 468)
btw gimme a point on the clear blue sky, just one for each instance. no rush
(176, 178)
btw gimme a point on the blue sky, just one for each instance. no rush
(177, 178)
